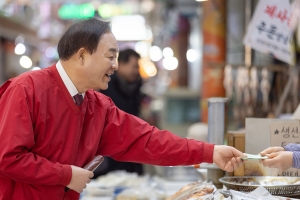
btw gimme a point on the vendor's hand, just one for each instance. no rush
(271, 150)
(281, 160)
(80, 177)
(227, 157)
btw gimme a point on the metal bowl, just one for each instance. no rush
(276, 185)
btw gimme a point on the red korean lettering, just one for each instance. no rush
(282, 16)
(271, 11)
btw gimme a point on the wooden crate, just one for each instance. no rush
(236, 139)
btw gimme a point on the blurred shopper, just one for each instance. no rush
(124, 90)
(282, 158)
(53, 122)
(124, 86)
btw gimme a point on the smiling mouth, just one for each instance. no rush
(108, 75)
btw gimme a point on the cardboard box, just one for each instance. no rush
(262, 133)
(236, 139)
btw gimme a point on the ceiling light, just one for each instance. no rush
(155, 53)
(25, 62)
(20, 49)
(191, 55)
(168, 52)
(170, 63)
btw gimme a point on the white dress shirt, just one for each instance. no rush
(67, 81)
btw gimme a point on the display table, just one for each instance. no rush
(108, 187)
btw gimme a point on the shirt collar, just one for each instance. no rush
(66, 79)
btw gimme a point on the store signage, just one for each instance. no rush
(269, 31)
(109, 10)
(283, 133)
(87, 10)
(73, 11)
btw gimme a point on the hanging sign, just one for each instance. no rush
(269, 31)
(74, 11)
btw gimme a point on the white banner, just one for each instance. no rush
(269, 31)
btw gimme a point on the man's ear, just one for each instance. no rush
(81, 55)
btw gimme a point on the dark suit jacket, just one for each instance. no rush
(127, 97)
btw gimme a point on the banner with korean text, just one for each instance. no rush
(269, 31)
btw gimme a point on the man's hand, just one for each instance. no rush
(227, 158)
(281, 160)
(271, 150)
(80, 177)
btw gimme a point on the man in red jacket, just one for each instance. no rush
(52, 122)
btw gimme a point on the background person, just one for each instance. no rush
(124, 90)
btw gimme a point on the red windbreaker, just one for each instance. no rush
(43, 132)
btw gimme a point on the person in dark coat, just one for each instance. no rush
(125, 84)
(124, 90)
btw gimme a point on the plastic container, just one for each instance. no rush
(195, 191)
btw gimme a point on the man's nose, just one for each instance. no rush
(115, 66)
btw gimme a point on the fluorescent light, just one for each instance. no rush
(142, 48)
(35, 68)
(155, 53)
(168, 52)
(20, 49)
(150, 69)
(170, 63)
(25, 62)
(136, 30)
(191, 55)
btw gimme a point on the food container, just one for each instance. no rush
(276, 185)
(195, 191)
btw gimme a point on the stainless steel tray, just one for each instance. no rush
(276, 185)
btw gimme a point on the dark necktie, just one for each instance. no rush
(78, 99)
